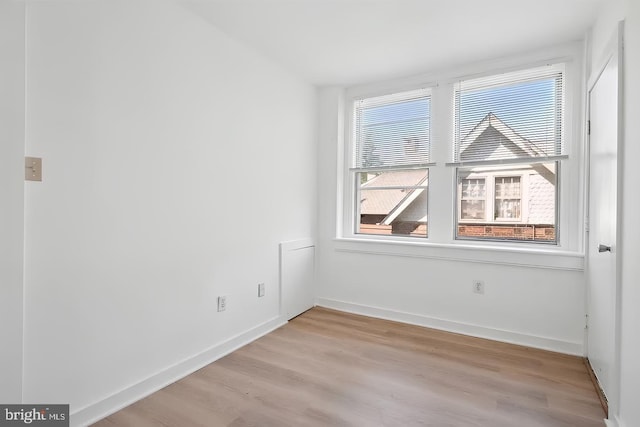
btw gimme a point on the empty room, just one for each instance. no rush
(319, 213)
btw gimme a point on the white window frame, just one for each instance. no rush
(490, 198)
(352, 172)
(485, 178)
(517, 220)
(499, 81)
(442, 242)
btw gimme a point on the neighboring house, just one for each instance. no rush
(390, 203)
(506, 201)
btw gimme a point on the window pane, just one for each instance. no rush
(522, 198)
(507, 204)
(393, 203)
(508, 187)
(509, 116)
(507, 209)
(473, 203)
(473, 188)
(393, 130)
(472, 209)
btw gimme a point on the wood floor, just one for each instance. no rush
(327, 368)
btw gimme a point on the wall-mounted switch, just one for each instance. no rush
(32, 169)
(260, 289)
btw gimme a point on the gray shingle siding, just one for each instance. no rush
(541, 200)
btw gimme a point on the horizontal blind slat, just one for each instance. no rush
(393, 130)
(510, 116)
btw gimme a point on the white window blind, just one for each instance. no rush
(510, 117)
(392, 131)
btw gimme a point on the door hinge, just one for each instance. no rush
(588, 127)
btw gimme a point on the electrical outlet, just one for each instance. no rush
(260, 289)
(478, 286)
(222, 303)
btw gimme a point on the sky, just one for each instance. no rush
(529, 108)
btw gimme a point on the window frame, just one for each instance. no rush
(353, 171)
(521, 179)
(570, 173)
(491, 87)
(491, 177)
(484, 199)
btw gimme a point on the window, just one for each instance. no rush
(391, 155)
(473, 199)
(508, 128)
(498, 156)
(508, 202)
(507, 194)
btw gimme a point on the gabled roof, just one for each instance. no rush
(403, 207)
(491, 123)
(391, 202)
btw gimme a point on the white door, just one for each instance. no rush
(297, 260)
(603, 227)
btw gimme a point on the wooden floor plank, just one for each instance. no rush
(329, 368)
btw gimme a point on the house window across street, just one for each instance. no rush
(473, 194)
(507, 194)
(518, 202)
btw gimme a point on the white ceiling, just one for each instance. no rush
(349, 42)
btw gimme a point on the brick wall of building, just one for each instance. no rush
(537, 232)
(528, 232)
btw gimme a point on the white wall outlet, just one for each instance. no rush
(222, 303)
(260, 289)
(478, 286)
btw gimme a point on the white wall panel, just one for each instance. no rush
(176, 160)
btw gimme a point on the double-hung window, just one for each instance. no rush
(507, 199)
(473, 199)
(499, 149)
(508, 144)
(390, 162)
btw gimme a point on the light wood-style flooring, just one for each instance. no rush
(328, 368)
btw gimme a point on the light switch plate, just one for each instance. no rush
(33, 169)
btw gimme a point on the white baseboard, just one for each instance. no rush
(96, 411)
(613, 422)
(552, 344)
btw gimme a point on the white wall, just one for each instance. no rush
(630, 342)
(608, 18)
(11, 197)
(602, 30)
(523, 304)
(175, 161)
(139, 109)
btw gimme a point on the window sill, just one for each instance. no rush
(475, 252)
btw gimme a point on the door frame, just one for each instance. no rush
(613, 51)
